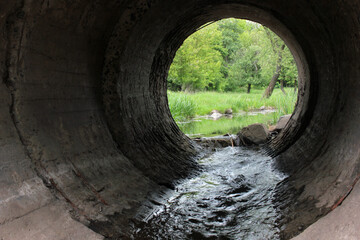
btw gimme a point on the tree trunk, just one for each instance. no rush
(269, 90)
(282, 86)
(249, 88)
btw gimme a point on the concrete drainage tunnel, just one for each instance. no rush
(87, 138)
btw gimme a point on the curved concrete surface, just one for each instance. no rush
(86, 136)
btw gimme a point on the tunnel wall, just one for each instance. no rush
(86, 133)
(57, 144)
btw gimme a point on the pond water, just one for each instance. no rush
(230, 199)
(207, 126)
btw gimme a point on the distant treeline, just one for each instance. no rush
(230, 55)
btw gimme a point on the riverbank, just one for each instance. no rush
(205, 126)
(191, 110)
(185, 106)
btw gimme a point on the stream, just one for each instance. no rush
(208, 126)
(230, 199)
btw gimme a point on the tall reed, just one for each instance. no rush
(181, 106)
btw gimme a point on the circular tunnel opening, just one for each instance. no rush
(223, 77)
(148, 87)
(210, 204)
(141, 84)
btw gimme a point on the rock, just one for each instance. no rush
(262, 108)
(272, 132)
(238, 185)
(218, 141)
(254, 134)
(272, 128)
(283, 120)
(229, 111)
(215, 114)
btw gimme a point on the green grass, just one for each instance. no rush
(188, 105)
(181, 106)
(208, 127)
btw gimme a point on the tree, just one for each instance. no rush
(229, 55)
(278, 47)
(289, 72)
(198, 62)
(230, 31)
(246, 69)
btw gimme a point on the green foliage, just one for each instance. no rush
(227, 56)
(271, 45)
(246, 69)
(204, 102)
(181, 106)
(230, 31)
(197, 63)
(289, 72)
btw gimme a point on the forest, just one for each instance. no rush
(232, 55)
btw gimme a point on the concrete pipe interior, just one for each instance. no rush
(87, 139)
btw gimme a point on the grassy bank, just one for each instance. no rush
(208, 127)
(187, 105)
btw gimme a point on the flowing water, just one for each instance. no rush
(230, 199)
